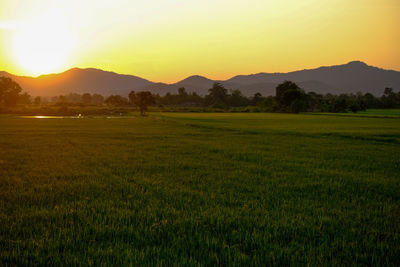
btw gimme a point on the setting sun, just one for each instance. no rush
(42, 45)
(167, 41)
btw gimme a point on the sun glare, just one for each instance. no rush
(43, 45)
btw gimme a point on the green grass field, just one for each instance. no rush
(372, 113)
(388, 112)
(200, 189)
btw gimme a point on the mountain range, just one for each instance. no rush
(352, 77)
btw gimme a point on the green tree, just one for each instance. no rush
(338, 104)
(269, 104)
(298, 105)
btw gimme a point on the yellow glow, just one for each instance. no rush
(168, 40)
(42, 45)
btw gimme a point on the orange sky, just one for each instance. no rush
(169, 40)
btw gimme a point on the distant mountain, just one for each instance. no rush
(352, 77)
(79, 81)
(195, 83)
(348, 78)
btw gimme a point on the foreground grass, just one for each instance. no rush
(200, 189)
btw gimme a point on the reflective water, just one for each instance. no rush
(68, 117)
(47, 117)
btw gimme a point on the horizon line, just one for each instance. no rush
(203, 76)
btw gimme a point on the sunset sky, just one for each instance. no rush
(168, 40)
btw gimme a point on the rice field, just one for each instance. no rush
(200, 189)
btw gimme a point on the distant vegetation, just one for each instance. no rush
(289, 98)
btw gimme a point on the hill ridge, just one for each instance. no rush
(351, 77)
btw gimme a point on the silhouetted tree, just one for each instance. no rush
(24, 98)
(182, 92)
(269, 104)
(398, 99)
(196, 99)
(9, 92)
(86, 98)
(37, 101)
(290, 97)
(132, 97)
(338, 104)
(354, 107)
(371, 101)
(74, 98)
(389, 98)
(217, 95)
(257, 98)
(314, 101)
(237, 99)
(116, 100)
(282, 88)
(182, 98)
(142, 100)
(97, 99)
(298, 104)
(62, 99)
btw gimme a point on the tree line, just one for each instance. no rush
(289, 97)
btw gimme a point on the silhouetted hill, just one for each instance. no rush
(196, 84)
(81, 80)
(351, 77)
(193, 83)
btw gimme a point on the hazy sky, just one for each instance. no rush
(167, 40)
